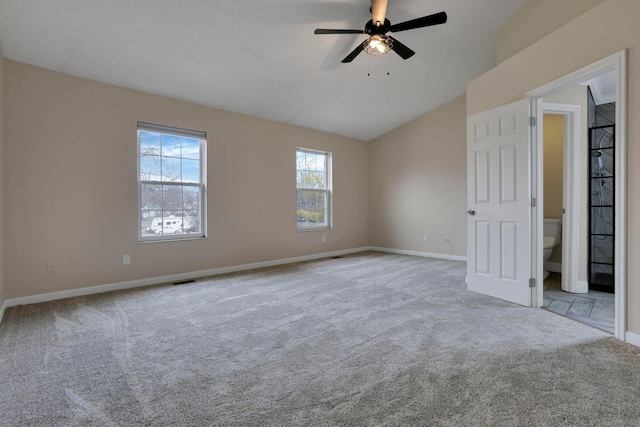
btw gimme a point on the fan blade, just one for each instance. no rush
(325, 31)
(378, 11)
(354, 53)
(400, 49)
(425, 21)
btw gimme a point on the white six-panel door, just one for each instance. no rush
(498, 230)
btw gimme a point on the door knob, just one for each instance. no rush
(471, 212)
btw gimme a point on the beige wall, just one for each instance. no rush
(2, 172)
(553, 155)
(578, 95)
(534, 20)
(418, 183)
(573, 46)
(553, 147)
(71, 194)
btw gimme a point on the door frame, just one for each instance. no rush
(617, 63)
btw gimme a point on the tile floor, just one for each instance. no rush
(595, 309)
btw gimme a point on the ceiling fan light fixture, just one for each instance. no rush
(378, 45)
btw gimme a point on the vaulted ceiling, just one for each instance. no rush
(262, 58)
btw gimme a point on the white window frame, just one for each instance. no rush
(328, 191)
(201, 185)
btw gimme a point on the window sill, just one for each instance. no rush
(181, 239)
(304, 230)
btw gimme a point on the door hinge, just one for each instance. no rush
(533, 202)
(532, 283)
(532, 121)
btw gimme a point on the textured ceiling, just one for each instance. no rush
(261, 58)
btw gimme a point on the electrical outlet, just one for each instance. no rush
(126, 259)
(425, 238)
(50, 268)
(324, 239)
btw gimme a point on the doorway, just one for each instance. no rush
(565, 254)
(575, 238)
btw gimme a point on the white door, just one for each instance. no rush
(498, 226)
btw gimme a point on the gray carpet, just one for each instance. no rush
(364, 340)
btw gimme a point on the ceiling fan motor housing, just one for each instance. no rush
(372, 29)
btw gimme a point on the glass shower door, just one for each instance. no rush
(601, 211)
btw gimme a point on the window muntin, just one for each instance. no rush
(171, 183)
(313, 189)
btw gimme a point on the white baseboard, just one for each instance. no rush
(582, 287)
(33, 299)
(555, 267)
(2, 310)
(418, 253)
(632, 338)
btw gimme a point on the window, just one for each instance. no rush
(313, 179)
(171, 183)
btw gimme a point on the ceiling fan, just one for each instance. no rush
(379, 43)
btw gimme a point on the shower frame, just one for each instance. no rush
(599, 281)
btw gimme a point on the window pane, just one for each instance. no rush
(171, 169)
(150, 143)
(145, 223)
(172, 146)
(191, 209)
(150, 168)
(311, 170)
(190, 148)
(153, 226)
(172, 199)
(312, 179)
(318, 162)
(150, 197)
(190, 170)
(191, 200)
(311, 208)
(170, 224)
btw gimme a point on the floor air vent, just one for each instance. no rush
(184, 282)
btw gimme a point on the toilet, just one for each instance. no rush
(552, 238)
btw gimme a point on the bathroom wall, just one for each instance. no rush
(553, 158)
(553, 154)
(578, 95)
(2, 272)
